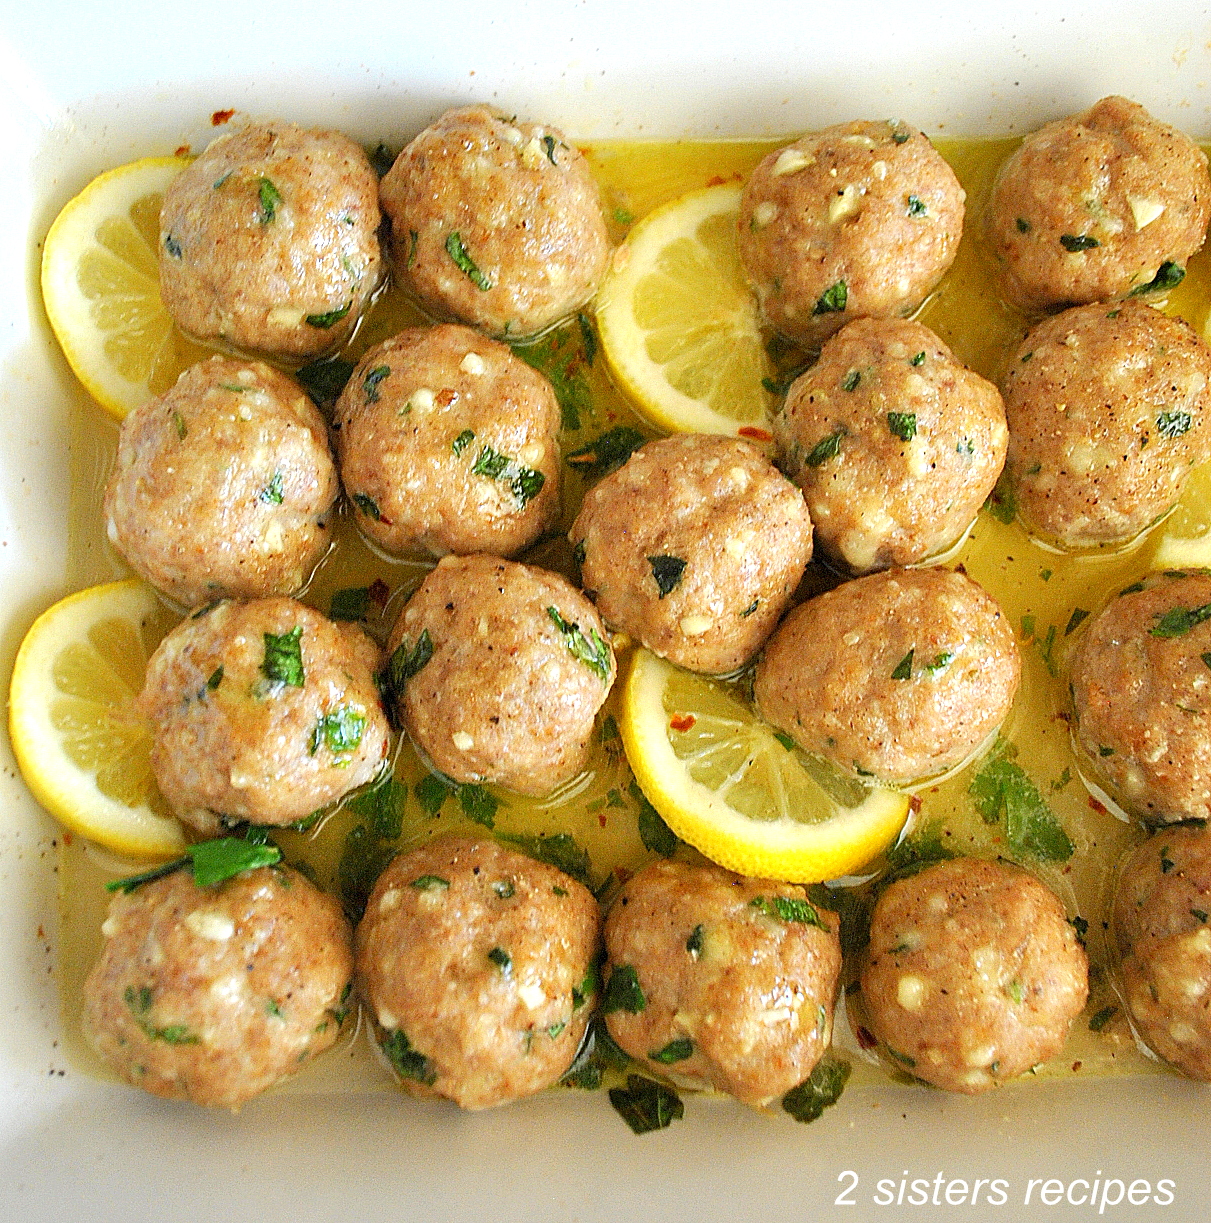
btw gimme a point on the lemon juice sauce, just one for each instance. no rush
(1046, 596)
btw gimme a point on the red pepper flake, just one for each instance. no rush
(1076, 1066)
(67, 838)
(446, 396)
(866, 1038)
(622, 874)
(716, 180)
(914, 803)
(221, 116)
(601, 819)
(379, 592)
(1094, 805)
(682, 721)
(961, 568)
(182, 150)
(758, 435)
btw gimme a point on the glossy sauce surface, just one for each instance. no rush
(1038, 589)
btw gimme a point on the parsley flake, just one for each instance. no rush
(825, 449)
(458, 252)
(272, 493)
(1168, 276)
(590, 650)
(789, 909)
(1002, 789)
(340, 730)
(1174, 424)
(1073, 243)
(329, 317)
(623, 992)
(408, 1063)
(283, 661)
(904, 666)
(677, 1050)
(903, 425)
(270, 198)
(370, 382)
(607, 453)
(807, 1102)
(916, 206)
(667, 571)
(851, 381)
(1180, 620)
(833, 300)
(646, 1105)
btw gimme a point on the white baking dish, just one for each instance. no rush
(84, 87)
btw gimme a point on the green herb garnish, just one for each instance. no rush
(904, 666)
(270, 198)
(677, 1050)
(462, 441)
(216, 678)
(341, 729)
(559, 849)
(406, 663)
(1002, 789)
(272, 493)
(655, 834)
(1079, 614)
(502, 959)
(667, 571)
(329, 317)
(172, 246)
(590, 650)
(646, 1105)
(1173, 424)
(1180, 620)
(368, 506)
(351, 603)
(283, 661)
(827, 1081)
(1102, 1018)
(458, 252)
(851, 380)
(788, 909)
(827, 448)
(833, 299)
(407, 1061)
(693, 944)
(1078, 242)
(1168, 276)
(607, 453)
(623, 992)
(370, 382)
(430, 883)
(903, 425)
(916, 206)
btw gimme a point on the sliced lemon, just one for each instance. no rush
(728, 784)
(679, 325)
(84, 753)
(101, 287)
(1186, 543)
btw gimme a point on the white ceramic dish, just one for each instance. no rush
(81, 90)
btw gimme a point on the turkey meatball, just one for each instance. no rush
(449, 443)
(1101, 205)
(893, 442)
(223, 486)
(478, 965)
(720, 981)
(695, 547)
(898, 675)
(495, 222)
(974, 974)
(262, 711)
(1161, 929)
(1141, 689)
(268, 242)
(860, 220)
(499, 670)
(213, 994)
(1107, 410)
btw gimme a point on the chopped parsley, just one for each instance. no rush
(752, 607)
(502, 959)
(325, 380)
(172, 246)
(1167, 863)
(607, 453)
(833, 300)
(283, 661)
(270, 198)
(504, 888)
(1102, 1018)
(351, 603)
(1014, 992)
(903, 425)
(916, 206)
(851, 380)
(272, 492)
(788, 909)
(558, 849)
(525, 482)
(1002, 789)
(590, 650)
(329, 318)
(919, 359)
(667, 571)
(408, 1063)
(646, 1105)
(655, 834)
(623, 992)
(1023, 225)
(589, 985)
(1168, 276)
(940, 662)
(823, 1087)
(1180, 620)
(213, 862)
(904, 666)
(340, 729)
(677, 1050)
(1174, 424)
(370, 382)
(178, 423)
(560, 355)
(827, 448)
(1002, 504)
(216, 678)
(368, 506)
(406, 663)
(462, 441)
(430, 883)
(1078, 242)
(1079, 614)
(458, 252)
(139, 1002)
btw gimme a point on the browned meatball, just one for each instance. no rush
(449, 443)
(720, 981)
(695, 547)
(893, 442)
(213, 994)
(1107, 410)
(262, 711)
(1141, 689)
(268, 241)
(499, 671)
(898, 675)
(1100, 205)
(495, 222)
(1161, 926)
(859, 220)
(478, 966)
(223, 486)
(973, 974)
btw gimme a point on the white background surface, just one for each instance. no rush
(84, 87)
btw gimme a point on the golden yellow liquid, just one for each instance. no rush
(1027, 578)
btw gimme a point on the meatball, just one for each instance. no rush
(729, 982)
(496, 223)
(898, 675)
(1101, 205)
(893, 442)
(1107, 410)
(499, 670)
(860, 220)
(262, 711)
(695, 547)
(478, 965)
(449, 443)
(1141, 688)
(223, 486)
(1161, 929)
(973, 974)
(213, 994)
(268, 242)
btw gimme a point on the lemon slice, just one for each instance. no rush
(84, 753)
(679, 325)
(725, 782)
(101, 287)
(1186, 543)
